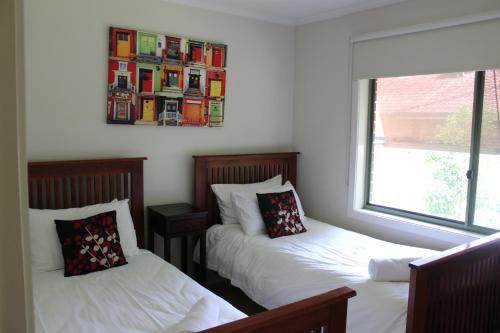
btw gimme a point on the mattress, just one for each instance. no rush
(146, 295)
(275, 272)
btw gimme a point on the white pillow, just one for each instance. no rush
(46, 254)
(247, 209)
(223, 194)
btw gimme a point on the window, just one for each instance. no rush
(122, 36)
(122, 82)
(123, 66)
(435, 148)
(173, 48)
(173, 79)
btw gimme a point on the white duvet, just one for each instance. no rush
(146, 295)
(275, 272)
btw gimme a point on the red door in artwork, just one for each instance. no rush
(196, 54)
(146, 80)
(217, 57)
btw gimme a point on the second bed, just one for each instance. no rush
(275, 272)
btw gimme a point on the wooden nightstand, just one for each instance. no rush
(179, 220)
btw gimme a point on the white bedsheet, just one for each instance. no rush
(146, 295)
(274, 272)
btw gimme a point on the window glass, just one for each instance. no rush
(421, 144)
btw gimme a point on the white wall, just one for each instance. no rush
(66, 48)
(15, 272)
(66, 60)
(323, 109)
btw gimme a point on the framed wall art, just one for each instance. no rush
(164, 80)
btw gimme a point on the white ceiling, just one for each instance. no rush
(289, 12)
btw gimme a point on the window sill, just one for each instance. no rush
(428, 234)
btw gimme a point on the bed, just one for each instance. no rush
(452, 291)
(147, 294)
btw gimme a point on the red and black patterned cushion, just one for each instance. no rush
(280, 214)
(91, 244)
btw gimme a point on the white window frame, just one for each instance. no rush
(374, 220)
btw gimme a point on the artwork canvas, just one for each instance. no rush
(165, 80)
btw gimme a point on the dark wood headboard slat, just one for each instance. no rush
(237, 169)
(66, 184)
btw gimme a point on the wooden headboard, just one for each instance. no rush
(66, 184)
(237, 169)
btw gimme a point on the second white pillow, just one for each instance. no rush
(223, 194)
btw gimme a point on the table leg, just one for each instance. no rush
(151, 234)
(166, 248)
(203, 258)
(184, 254)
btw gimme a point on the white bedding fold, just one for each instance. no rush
(203, 315)
(146, 295)
(390, 269)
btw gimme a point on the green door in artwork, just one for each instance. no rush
(147, 44)
(215, 114)
(215, 110)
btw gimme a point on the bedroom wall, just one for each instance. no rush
(15, 272)
(323, 109)
(66, 62)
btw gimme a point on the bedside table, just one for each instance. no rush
(179, 220)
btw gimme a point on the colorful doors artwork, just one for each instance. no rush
(148, 110)
(123, 44)
(145, 80)
(165, 80)
(215, 88)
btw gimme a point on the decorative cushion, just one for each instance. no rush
(247, 208)
(280, 213)
(91, 244)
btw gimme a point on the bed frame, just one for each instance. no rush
(241, 169)
(457, 291)
(65, 184)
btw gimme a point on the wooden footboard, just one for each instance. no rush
(325, 313)
(457, 291)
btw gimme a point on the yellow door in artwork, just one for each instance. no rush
(215, 88)
(148, 107)
(123, 44)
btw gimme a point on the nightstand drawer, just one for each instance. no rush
(187, 226)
